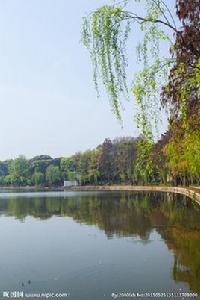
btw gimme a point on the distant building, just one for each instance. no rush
(68, 183)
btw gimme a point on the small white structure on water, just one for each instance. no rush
(69, 183)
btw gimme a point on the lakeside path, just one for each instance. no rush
(190, 192)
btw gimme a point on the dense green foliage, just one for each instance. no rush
(40, 170)
(114, 161)
(111, 162)
(121, 161)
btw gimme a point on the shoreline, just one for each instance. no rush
(31, 188)
(192, 192)
(189, 192)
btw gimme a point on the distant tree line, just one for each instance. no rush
(110, 162)
(125, 160)
(39, 171)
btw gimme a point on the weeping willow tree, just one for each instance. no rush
(105, 33)
(171, 82)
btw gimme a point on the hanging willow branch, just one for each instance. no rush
(105, 33)
(105, 36)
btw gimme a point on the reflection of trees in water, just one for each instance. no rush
(184, 243)
(175, 218)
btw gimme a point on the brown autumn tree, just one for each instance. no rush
(183, 89)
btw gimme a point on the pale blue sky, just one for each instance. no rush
(47, 98)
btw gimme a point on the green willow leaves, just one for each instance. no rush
(105, 33)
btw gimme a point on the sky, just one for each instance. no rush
(48, 104)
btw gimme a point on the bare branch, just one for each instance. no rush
(169, 11)
(130, 15)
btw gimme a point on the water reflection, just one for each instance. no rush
(135, 215)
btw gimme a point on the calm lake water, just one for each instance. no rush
(94, 245)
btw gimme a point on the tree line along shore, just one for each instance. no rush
(119, 161)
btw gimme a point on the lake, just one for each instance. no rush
(98, 245)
